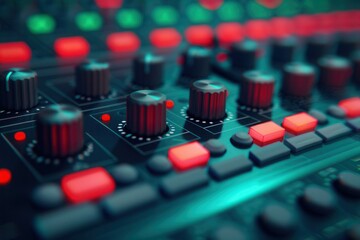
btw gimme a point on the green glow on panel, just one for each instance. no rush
(88, 21)
(164, 15)
(230, 11)
(129, 18)
(288, 8)
(198, 14)
(257, 10)
(40, 24)
(317, 6)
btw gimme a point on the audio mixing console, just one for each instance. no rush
(191, 119)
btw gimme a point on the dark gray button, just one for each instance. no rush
(241, 140)
(354, 124)
(183, 182)
(228, 168)
(333, 132)
(336, 112)
(269, 154)
(48, 196)
(124, 174)
(59, 223)
(215, 147)
(318, 200)
(277, 220)
(129, 199)
(159, 164)
(320, 116)
(353, 233)
(303, 142)
(348, 183)
(228, 232)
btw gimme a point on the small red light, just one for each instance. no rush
(257, 29)
(14, 52)
(123, 42)
(304, 25)
(20, 136)
(71, 47)
(200, 35)
(108, 4)
(228, 33)
(221, 57)
(281, 27)
(105, 117)
(165, 38)
(211, 4)
(5, 176)
(170, 104)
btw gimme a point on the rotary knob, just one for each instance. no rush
(243, 55)
(146, 113)
(317, 47)
(93, 79)
(59, 131)
(283, 50)
(207, 100)
(18, 89)
(298, 80)
(257, 89)
(196, 62)
(148, 71)
(334, 73)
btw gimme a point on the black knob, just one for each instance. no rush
(59, 131)
(256, 89)
(207, 100)
(243, 55)
(148, 71)
(317, 47)
(93, 79)
(283, 50)
(18, 89)
(298, 80)
(146, 113)
(347, 45)
(196, 62)
(334, 73)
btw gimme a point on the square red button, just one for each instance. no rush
(87, 185)
(267, 133)
(351, 106)
(300, 123)
(188, 156)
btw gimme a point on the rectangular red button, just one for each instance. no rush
(72, 47)
(187, 156)
(200, 35)
(123, 42)
(300, 123)
(165, 38)
(267, 133)
(11, 52)
(351, 106)
(87, 185)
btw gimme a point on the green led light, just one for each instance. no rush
(288, 8)
(230, 11)
(198, 14)
(164, 15)
(316, 6)
(129, 18)
(40, 24)
(88, 21)
(257, 10)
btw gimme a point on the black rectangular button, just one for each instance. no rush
(123, 201)
(333, 132)
(269, 154)
(354, 124)
(181, 183)
(303, 142)
(229, 168)
(62, 222)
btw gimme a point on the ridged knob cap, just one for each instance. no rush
(93, 79)
(207, 100)
(256, 89)
(334, 73)
(148, 71)
(317, 47)
(146, 113)
(243, 55)
(196, 62)
(18, 89)
(59, 131)
(283, 50)
(298, 79)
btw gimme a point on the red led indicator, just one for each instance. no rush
(228, 33)
(72, 47)
(14, 52)
(257, 29)
(221, 57)
(211, 4)
(123, 42)
(5, 176)
(165, 38)
(20, 136)
(200, 35)
(108, 4)
(105, 117)
(170, 104)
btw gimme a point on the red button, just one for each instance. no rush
(266, 133)
(165, 38)
(5, 176)
(123, 42)
(14, 52)
(201, 35)
(71, 47)
(300, 123)
(351, 106)
(326, 23)
(188, 156)
(211, 4)
(228, 33)
(108, 4)
(304, 25)
(90, 184)
(257, 29)
(20, 136)
(281, 27)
